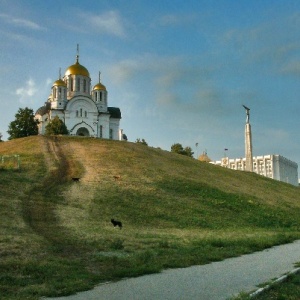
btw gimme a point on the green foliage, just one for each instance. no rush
(188, 151)
(117, 244)
(24, 124)
(141, 141)
(56, 127)
(178, 148)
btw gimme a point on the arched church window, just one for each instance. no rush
(72, 83)
(100, 96)
(110, 134)
(80, 112)
(85, 114)
(76, 113)
(78, 84)
(84, 85)
(54, 92)
(101, 131)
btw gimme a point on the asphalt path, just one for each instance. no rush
(214, 281)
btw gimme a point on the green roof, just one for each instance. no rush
(114, 112)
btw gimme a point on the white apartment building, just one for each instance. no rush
(272, 166)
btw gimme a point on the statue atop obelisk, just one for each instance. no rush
(248, 142)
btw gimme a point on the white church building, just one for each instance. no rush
(83, 109)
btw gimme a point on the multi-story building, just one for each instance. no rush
(272, 166)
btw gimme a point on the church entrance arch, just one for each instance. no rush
(82, 131)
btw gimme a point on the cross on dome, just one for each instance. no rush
(77, 55)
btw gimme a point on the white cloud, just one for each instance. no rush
(108, 23)
(174, 82)
(16, 37)
(20, 22)
(271, 45)
(292, 67)
(48, 82)
(32, 93)
(27, 92)
(124, 70)
(164, 70)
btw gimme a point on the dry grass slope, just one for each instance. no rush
(56, 237)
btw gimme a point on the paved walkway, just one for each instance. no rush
(214, 281)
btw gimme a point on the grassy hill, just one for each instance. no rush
(56, 237)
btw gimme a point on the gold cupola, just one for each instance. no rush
(77, 79)
(59, 93)
(99, 86)
(99, 95)
(77, 69)
(59, 82)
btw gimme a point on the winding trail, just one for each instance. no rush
(39, 212)
(214, 281)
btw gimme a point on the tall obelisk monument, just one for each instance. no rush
(248, 142)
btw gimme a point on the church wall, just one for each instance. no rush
(103, 126)
(114, 128)
(81, 110)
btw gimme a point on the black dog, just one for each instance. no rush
(116, 223)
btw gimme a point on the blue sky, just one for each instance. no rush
(179, 70)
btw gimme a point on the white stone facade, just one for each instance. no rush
(84, 110)
(272, 166)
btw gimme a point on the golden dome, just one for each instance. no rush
(204, 157)
(77, 69)
(99, 86)
(59, 82)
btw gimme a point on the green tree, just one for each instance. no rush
(1, 137)
(23, 125)
(56, 126)
(141, 141)
(188, 151)
(177, 148)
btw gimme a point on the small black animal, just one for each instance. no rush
(116, 223)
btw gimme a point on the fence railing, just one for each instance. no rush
(10, 161)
